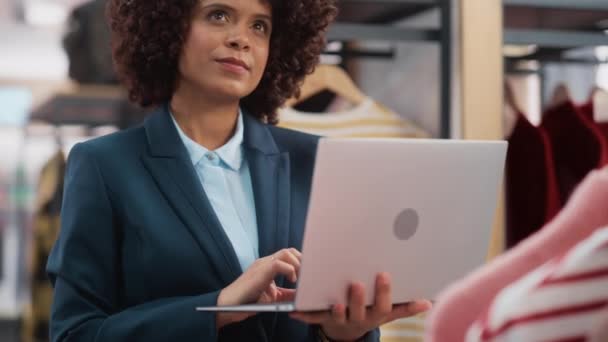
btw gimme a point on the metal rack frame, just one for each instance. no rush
(387, 32)
(564, 4)
(555, 38)
(561, 39)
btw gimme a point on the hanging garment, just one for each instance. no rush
(366, 120)
(578, 146)
(531, 187)
(46, 225)
(87, 45)
(4, 211)
(463, 302)
(566, 299)
(588, 109)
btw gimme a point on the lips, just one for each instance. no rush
(235, 62)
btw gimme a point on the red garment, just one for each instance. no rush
(578, 146)
(532, 193)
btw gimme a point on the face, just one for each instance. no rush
(227, 48)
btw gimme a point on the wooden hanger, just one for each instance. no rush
(332, 78)
(561, 95)
(600, 105)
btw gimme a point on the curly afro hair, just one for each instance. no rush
(148, 35)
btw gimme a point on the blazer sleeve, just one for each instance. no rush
(372, 336)
(84, 268)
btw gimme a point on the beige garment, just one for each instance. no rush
(367, 120)
(404, 330)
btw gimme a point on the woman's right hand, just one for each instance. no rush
(256, 284)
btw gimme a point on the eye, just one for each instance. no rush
(260, 26)
(218, 16)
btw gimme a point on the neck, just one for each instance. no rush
(208, 122)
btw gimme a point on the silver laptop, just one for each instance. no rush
(421, 210)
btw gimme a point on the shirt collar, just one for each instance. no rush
(231, 153)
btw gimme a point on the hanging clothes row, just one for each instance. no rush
(351, 114)
(107, 110)
(546, 162)
(45, 229)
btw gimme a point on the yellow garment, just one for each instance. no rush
(46, 225)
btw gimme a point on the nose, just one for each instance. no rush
(238, 39)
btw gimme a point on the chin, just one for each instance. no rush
(232, 93)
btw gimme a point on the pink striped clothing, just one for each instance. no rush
(563, 300)
(462, 303)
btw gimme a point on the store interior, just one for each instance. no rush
(531, 72)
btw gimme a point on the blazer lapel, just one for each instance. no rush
(169, 164)
(270, 177)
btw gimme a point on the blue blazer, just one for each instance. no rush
(140, 246)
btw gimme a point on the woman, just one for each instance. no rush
(204, 204)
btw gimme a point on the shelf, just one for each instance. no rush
(342, 31)
(381, 11)
(572, 15)
(554, 38)
(561, 4)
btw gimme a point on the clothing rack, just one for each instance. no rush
(587, 34)
(363, 53)
(378, 25)
(553, 38)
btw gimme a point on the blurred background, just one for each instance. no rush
(433, 68)
(57, 87)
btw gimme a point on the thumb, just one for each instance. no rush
(285, 295)
(408, 310)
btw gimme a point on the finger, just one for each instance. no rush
(265, 298)
(298, 254)
(269, 295)
(313, 317)
(272, 290)
(356, 303)
(338, 314)
(408, 310)
(383, 297)
(285, 295)
(289, 257)
(421, 305)
(277, 267)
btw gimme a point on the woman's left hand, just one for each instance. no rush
(340, 326)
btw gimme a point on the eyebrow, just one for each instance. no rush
(231, 9)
